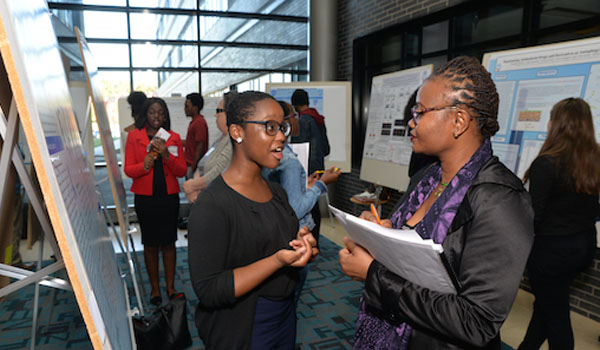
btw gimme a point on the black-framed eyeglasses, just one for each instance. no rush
(272, 126)
(220, 110)
(418, 111)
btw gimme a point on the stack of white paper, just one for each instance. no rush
(404, 252)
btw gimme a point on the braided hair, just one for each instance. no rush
(476, 90)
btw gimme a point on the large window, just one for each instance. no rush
(174, 47)
(168, 45)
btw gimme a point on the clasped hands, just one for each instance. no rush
(157, 146)
(354, 259)
(302, 250)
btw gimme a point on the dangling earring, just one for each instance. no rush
(238, 140)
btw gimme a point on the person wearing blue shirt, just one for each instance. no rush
(302, 195)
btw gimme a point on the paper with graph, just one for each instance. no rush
(404, 252)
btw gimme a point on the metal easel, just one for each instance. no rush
(9, 154)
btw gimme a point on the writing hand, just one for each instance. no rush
(367, 215)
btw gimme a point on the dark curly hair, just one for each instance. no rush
(141, 121)
(476, 88)
(136, 100)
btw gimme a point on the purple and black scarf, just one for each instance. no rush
(375, 333)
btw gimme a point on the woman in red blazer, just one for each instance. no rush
(156, 189)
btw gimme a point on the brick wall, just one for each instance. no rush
(357, 18)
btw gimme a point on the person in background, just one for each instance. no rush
(245, 248)
(564, 183)
(196, 140)
(154, 171)
(292, 177)
(216, 159)
(136, 101)
(468, 202)
(312, 130)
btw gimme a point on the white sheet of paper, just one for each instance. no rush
(404, 252)
(163, 134)
(302, 150)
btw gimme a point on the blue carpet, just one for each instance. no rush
(326, 311)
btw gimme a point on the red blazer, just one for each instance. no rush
(135, 152)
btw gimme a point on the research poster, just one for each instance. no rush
(332, 100)
(37, 78)
(387, 148)
(529, 82)
(387, 138)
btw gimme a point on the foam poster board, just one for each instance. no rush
(37, 78)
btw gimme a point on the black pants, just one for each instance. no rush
(553, 262)
(316, 215)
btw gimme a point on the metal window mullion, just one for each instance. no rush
(199, 47)
(129, 46)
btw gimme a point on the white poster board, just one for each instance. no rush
(530, 81)
(37, 78)
(332, 99)
(179, 121)
(108, 146)
(387, 149)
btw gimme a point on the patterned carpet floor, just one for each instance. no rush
(326, 311)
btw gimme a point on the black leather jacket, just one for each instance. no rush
(487, 245)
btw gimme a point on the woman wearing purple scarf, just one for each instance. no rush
(471, 204)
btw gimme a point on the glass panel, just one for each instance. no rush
(110, 55)
(490, 23)
(104, 2)
(235, 57)
(70, 18)
(391, 48)
(99, 24)
(158, 26)
(569, 35)
(180, 4)
(435, 37)
(114, 85)
(412, 44)
(217, 81)
(555, 12)
(293, 8)
(437, 61)
(214, 28)
(146, 81)
(285, 7)
(384, 50)
(173, 83)
(151, 55)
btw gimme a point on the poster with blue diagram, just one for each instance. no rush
(530, 81)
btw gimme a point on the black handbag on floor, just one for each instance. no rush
(165, 328)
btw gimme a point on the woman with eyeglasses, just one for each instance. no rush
(245, 248)
(564, 182)
(154, 165)
(468, 202)
(216, 159)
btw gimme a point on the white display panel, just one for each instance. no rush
(31, 56)
(332, 100)
(530, 81)
(387, 149)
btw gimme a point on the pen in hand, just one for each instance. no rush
(375, 213)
